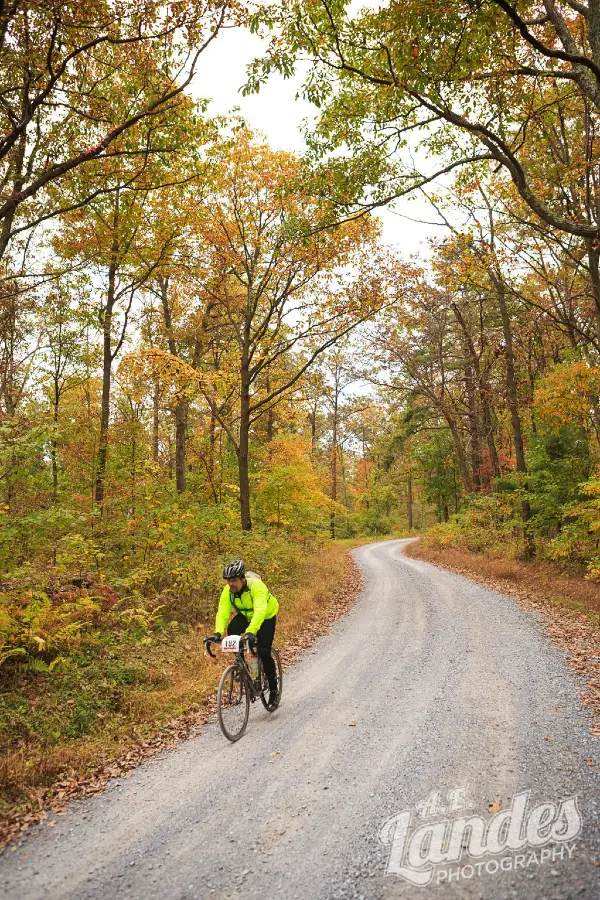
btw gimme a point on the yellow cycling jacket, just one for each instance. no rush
(255, 602)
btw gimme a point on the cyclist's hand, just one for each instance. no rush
(251, 640)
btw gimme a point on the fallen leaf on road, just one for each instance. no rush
(494, 807)
(352, 724)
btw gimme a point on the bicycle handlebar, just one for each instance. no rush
(207, 642)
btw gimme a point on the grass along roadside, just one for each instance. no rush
(146, 700)
(570, 605)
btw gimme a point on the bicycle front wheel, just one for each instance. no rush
(233, 703)
(264, 684)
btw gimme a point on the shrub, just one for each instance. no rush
(579, 538)
(491, 522)
(39, 632)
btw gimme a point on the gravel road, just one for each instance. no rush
(449, 686)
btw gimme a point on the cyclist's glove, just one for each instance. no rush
(251, 638)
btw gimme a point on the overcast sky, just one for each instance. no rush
(277, 113)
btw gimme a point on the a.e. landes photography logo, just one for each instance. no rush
(441, 842)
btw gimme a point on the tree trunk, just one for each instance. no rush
(243, 447)
(593, 252)
(54, 442)
(480, 382)
(409, 503)
(133, 465)
(181, 408)
(473, 428)
(473, 417)
(9, 393)
(270, 415)
(155, 420)
(460, 453)
(343, 476)
(531, 378)
(210, 460)
(488, 428)
(106, 376)
(180, 445)
(220, 497)
(334, 479)
(18, 182)
(513, 405)
(312, 417)
(365, 465)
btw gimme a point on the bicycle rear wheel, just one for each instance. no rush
(233, 703)
(264, 683)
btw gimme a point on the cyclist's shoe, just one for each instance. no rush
(273, 699)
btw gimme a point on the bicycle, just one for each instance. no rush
(237, 688)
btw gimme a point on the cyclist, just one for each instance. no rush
(255, 617)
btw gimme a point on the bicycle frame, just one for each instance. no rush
(252, 685)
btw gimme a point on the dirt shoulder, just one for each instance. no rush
(570, 605)
(173, 702)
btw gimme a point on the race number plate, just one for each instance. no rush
(231, 643)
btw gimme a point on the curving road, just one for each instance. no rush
(452, 688)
